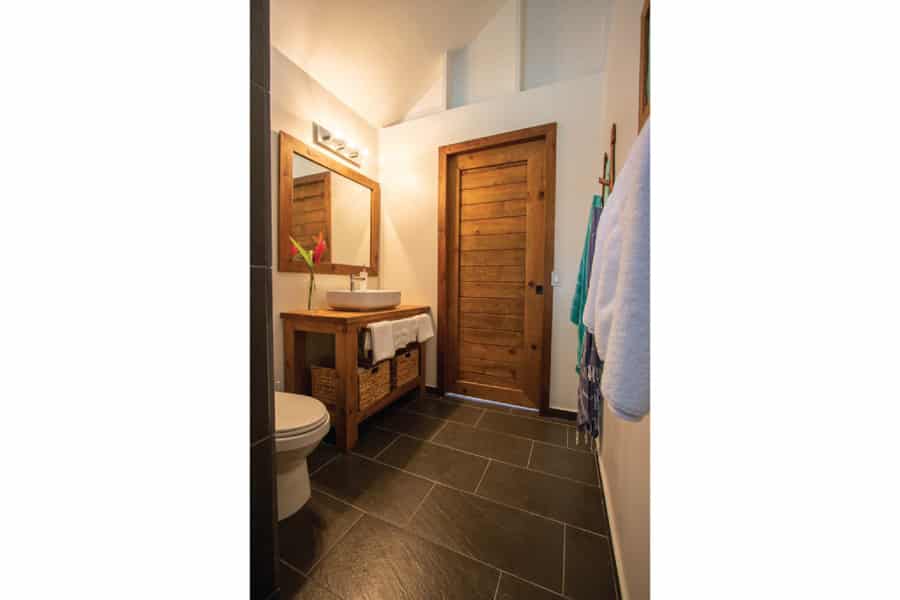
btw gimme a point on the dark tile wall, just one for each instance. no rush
(263, 513)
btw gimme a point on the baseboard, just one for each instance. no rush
(613, 531)
(560, 414)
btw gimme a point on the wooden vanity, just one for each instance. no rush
(345, 326)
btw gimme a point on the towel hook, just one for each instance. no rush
(612, 161)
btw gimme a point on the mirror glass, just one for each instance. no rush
(339, 208)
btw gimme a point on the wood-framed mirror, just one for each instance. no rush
(319, 194)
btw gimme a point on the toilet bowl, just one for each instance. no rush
(300, 424)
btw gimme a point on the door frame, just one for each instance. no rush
(547, 133)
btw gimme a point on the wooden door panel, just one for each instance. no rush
(309, 204)
(491, 336)
(303, 232)
(308, 216)
(494, 176)
(490, 314)
(502, 354)
(487, 379)
(479, 289)
(493, 274)
(493, 226)
(494, 193)
(488, 210)
(507, 241)
(534, 275)
(505, 371)
(306, 190)
(310, 212)
(454, 262)
(497, 258)
(498, 158)
(494, 242)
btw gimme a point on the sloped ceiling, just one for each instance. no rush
(377, 56)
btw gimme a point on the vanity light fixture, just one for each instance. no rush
(337, 143)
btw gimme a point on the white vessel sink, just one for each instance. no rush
(363, 300)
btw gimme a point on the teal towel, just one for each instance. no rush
(581, 286)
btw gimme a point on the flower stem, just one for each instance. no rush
(312, 281)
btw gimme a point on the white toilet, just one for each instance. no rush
(300, 424)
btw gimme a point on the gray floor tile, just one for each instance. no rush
(373, 487)
(450, 411)
(307, 535)
(373, 440)
(513, 588)
(504, 537)
(589, 570)
(456, 469)
(534, 429)
(412, 424)
(376, 560)
(568, 501)
(321, 455)
(565, 463)
(295, 586)
(485, 443)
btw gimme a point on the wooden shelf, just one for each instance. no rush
(345, 327)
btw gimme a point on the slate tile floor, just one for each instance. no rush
(446, 498)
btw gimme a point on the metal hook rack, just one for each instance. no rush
(609, 158)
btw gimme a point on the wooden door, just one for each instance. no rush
(497, 271)
(311, 210)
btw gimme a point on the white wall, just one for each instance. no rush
(527, 44)
(409, 171)
(563, 40)
(435, 98)
(488, 66)
(625, 459)
(296, 101)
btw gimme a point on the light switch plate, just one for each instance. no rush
(554, 279)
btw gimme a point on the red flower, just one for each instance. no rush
(319, 250)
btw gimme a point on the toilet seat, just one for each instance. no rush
(296, 414)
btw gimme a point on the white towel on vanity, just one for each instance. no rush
(405, 332)
(382, 334)
(389, 336)
(425, 329)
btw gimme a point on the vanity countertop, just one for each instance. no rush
(348, 317)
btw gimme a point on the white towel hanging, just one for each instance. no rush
(618, 306)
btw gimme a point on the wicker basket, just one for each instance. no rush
(324, 384)
(405, 366)
(374, 384)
